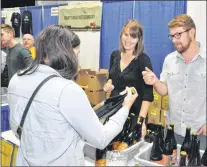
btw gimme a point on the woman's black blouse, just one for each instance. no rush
(131, 76)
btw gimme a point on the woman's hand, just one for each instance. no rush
(144, 129)
(108, 87)
(130, 98)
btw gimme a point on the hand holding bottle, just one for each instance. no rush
(108, 87)
(130, 97)
(149, 77)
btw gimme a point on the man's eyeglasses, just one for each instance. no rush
(177, 35)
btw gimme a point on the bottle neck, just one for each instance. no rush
(182, 160)
(169, 135)
(187, 134)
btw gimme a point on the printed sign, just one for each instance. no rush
(81, 15)
(54, 11)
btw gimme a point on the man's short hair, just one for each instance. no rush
(183, 20)
(8, 29)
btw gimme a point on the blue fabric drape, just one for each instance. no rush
(37, 24)
(154, 16)
(114, 16)
(48, 19)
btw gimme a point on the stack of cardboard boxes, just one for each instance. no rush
(92, 83)
(158, 109)
(154, 109)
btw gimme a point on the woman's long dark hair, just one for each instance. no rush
(54, 48)
(75, 40)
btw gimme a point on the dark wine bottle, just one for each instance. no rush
(152, 136)
(204, 158)
(182, 158)
(120, 137)
(174, 143)
(161, 135)
(147, 137)
(127, 141)
(193, 142)
(125, 129)
(194, 136)
(168, 148)
(160, 129)
(100, 157)
(129, 134)
(137, 133)
(156, 152)
(138, 130)
(133, 121)
(195, 158)
(186, 145)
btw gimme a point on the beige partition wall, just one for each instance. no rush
(197, 10)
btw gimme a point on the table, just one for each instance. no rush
(9, 135)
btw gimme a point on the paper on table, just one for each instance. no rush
(10, 136)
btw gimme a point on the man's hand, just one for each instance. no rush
(202, 130)
(149, 77)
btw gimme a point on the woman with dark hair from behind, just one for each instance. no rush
(75, 41)
(60, 117)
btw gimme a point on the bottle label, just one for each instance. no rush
(160, 162)
(101, 162)
(187, 159)
(122, 146)
(167, 160)
(116, 144)
(174, 157)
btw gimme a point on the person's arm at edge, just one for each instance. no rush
(83, 119)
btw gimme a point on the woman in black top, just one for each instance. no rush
(126, 66)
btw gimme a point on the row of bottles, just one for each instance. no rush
(131, 134)
(164, 152)
(192, 148)
(194, 161)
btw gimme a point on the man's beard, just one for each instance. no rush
(183, 48)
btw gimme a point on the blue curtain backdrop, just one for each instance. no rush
(153, 15)
(37, 24)
(48, 19)
(114, 16)
(41, 17)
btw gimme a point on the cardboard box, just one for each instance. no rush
(85, 89)
(8, 157)
(96, 81)
(105, 71)
(96, 97)
(163, 117)
(82, 78)
(165, 103)
(157, 101)
(154, 115)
